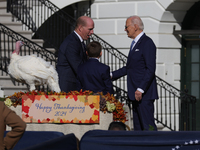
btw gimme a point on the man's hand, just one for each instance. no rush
(111, 75)
(138, 95)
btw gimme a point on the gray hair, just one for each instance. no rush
(137, 20)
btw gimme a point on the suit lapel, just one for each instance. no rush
(83, 50)
(138, 42)
(135, 47)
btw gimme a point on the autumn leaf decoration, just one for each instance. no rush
(108, 103)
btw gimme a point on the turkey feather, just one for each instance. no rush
(32, 70)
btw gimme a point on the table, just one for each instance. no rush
(78, 129)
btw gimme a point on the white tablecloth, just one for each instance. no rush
(77, 129)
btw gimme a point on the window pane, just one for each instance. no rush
(195, 53)
(195, 89)
(195, 72)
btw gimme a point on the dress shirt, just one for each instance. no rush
(83, 44)
(136, 40)
(94, 58)
(79, 36)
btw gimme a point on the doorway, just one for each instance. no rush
(190, 70)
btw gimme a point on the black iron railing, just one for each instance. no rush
(171, 109)
(188, 112)
(46, 20)
(53, 25)
(9, 36)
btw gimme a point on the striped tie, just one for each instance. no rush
(132, 45)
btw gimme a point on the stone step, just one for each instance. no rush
(8, 45)
(3, 3)
(3, 7)
(26, 34)
(10, 86)
(12, 25)
(38, 41)
(10, 90)
(51, 50)
(6, 81)
(6, 17)
(2, 10)
(160, 127)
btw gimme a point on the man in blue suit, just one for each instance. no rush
(72, 53)
(93, 75)
(140, 71)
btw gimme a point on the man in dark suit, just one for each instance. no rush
(72, 53)
(93, 75)
(140, 71)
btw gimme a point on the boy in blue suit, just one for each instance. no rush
(93, 75)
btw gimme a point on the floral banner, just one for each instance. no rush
(60, 108)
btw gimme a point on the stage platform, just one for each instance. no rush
(111, 140)
(140, 140)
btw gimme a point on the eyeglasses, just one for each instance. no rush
(127, 26)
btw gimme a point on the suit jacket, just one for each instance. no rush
(71, 54)
(140, 69)
(9, 117)
(95, 76)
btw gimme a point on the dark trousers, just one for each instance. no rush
(68, 86)
(143, 115)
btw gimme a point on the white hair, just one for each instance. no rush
(137, 20)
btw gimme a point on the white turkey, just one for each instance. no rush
(32, 70)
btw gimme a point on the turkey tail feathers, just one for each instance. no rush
(54, 86)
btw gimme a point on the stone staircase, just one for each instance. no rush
(8, 87)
